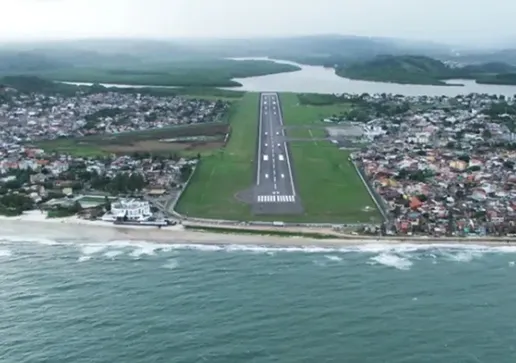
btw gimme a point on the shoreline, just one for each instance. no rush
(36, 225)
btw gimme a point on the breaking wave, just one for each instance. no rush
(391, 260)
(5, 253)
(398, 256)
(171, 264)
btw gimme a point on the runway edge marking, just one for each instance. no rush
(260, 104)
(286, 147)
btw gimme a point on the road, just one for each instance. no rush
(275, 191)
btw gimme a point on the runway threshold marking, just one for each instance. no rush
(276, 199)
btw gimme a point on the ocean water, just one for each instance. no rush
(81, 301)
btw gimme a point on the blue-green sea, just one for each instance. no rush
(86, 302)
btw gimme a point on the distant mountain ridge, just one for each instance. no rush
(352, 47)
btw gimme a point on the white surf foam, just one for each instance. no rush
(5, 253)
(18, 239)
(392, 260)
(463, 256)
(411, 251)
(333, 258)
(84, 258)
(91, 249)
(113, 254)
(171, 264)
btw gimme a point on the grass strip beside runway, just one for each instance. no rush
(330, 189)
(220, 176)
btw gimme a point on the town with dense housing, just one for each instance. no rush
(432, 166)
(110, 187)
(445, 171)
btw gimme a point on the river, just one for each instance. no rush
(316, 79)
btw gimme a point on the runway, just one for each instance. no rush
(275, 191)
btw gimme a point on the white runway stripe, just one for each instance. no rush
(276, 199)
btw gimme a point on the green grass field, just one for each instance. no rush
(308, 115)
(299, 114)
(142, 141)
(330, 189)
(220, 176)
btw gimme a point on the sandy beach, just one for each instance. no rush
(36, 225)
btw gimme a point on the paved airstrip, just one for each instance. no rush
(275, 191)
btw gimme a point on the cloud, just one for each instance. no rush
(451, 20)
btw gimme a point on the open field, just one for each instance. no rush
(220, 176)
(308, 114)
(330, 189)
(300, 114)
(211, 136)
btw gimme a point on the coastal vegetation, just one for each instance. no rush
(197, 72)
(61, 211)
(413, 69)
(502, 79)
(201, 73)
(398, 69)
(35, 84)
(12, 204)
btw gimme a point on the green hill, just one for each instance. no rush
(412, 69)
(405, 69)
(502, 78)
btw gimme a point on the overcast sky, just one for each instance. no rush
(468, 21)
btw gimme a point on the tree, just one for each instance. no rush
(107, 203)
(486, 134)
(450, 223)
(186, 171)
(466, 158)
